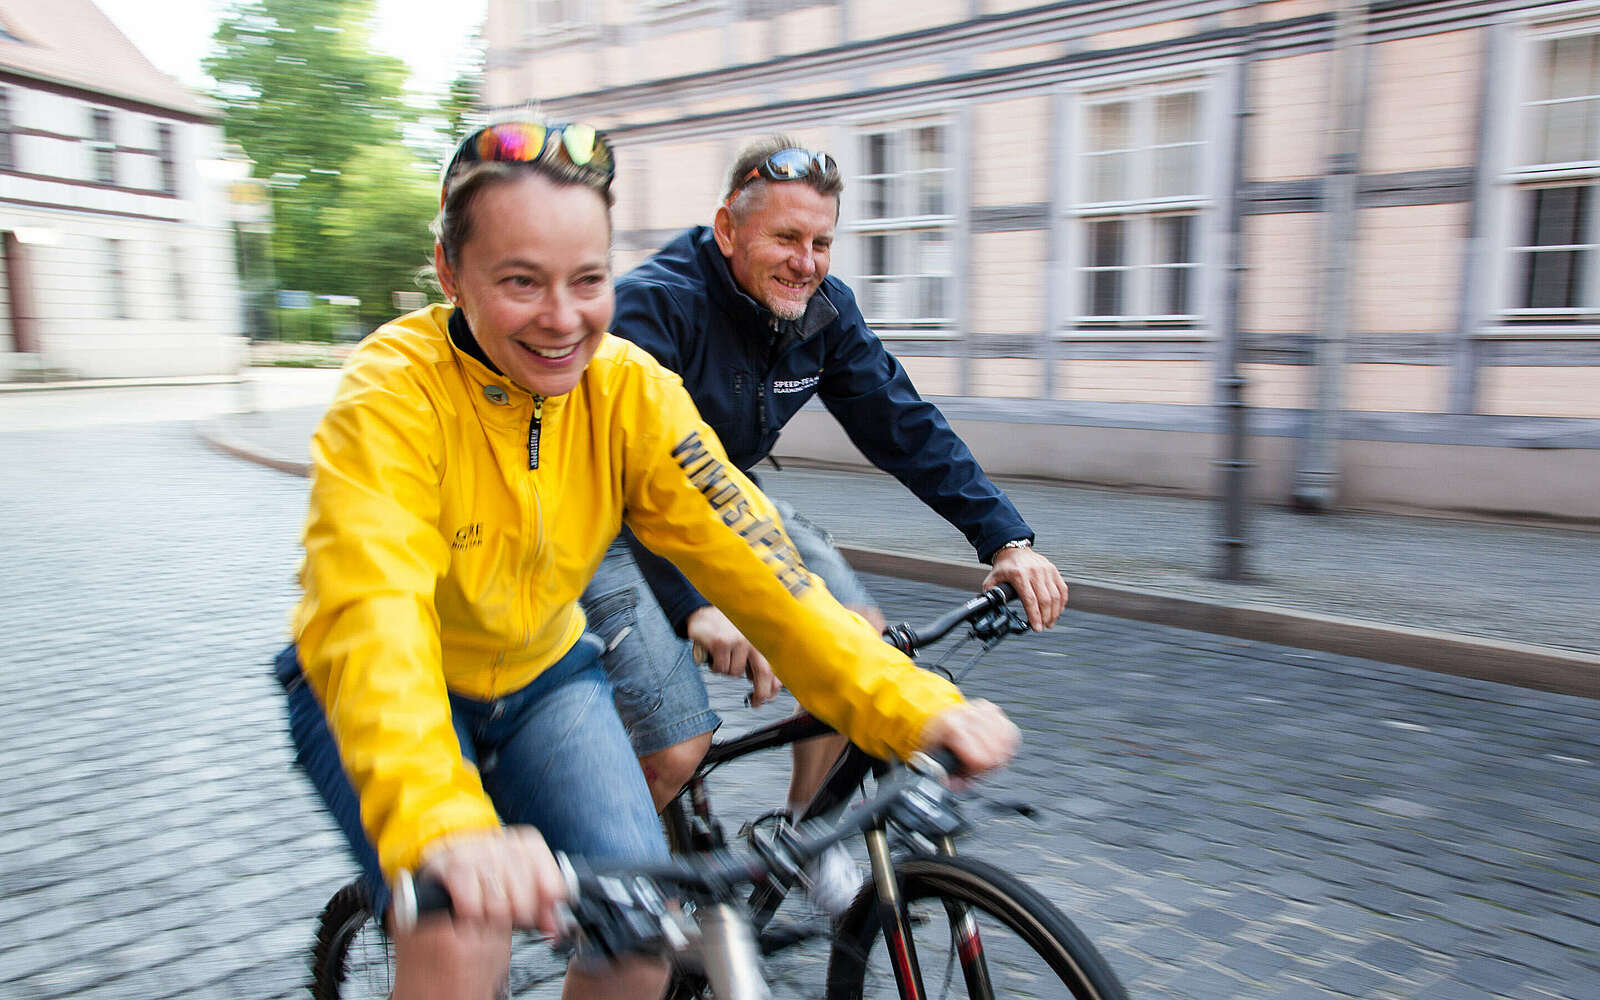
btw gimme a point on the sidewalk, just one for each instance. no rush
(1499, 602)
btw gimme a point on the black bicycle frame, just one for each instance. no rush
(696, 829)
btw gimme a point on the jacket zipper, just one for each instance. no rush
(536, 513)
(533, 432)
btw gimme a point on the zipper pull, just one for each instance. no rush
(533, 432)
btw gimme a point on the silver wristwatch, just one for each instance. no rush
(1016, 543)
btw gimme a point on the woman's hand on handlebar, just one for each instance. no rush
(1038, 584)
(505, 876)
(978, 734)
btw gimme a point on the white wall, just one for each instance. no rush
(67, 218)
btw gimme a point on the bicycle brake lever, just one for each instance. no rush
(998, 623)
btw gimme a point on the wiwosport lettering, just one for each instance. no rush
(710, 476)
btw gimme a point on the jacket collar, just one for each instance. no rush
(461, 336)
(484, 371)
(745, 311)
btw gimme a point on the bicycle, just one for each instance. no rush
(1003, 937)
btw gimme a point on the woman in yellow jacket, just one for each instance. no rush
(473, 467)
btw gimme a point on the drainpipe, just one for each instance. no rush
(1233, 468)
(1316, 473)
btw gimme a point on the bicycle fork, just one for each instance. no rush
(896, 924)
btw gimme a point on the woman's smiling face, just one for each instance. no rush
(534, 279)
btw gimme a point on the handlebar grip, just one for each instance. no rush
(417, 896)
(940, 758)
(908, 639)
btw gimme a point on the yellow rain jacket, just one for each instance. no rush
(454, 521)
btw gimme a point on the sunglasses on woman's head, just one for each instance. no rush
(787, 165)
(526, 142)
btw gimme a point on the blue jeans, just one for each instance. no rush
(660, 692)
(553, 755)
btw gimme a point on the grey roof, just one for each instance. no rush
(71, 43)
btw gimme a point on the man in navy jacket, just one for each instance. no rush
(746, 313)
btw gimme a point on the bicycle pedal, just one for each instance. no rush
(779, 816)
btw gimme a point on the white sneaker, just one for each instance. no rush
(833, 880)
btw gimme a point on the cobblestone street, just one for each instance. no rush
(1226, 819)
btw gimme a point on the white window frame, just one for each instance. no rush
(1519, 178)
(166, 143)
(1140, 212)
(578, 25)
(903, 219)
(178, 275)
(103, 150)
(662, 10)
(116, 277)
(8, 145)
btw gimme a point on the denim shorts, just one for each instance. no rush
(553, 755)
(660, 692)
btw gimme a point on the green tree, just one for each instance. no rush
(378, 232)
(309, 99)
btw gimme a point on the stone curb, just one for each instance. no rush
(121, 383)
(1542, 668)
(213, 435)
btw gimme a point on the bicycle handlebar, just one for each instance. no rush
(624, 910)
(908, 639)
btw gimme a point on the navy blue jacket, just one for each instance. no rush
(749, 372)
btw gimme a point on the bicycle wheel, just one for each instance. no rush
(352, 958)
(1023, 946)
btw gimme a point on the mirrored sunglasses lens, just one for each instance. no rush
(824, 163)
(788, 164)
(516, 141)
(579, 142)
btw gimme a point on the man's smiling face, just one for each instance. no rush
(778, 245)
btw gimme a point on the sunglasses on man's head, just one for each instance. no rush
(787, 165)
(526, 142)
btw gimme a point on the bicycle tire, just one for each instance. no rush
(1002, 902)
(339, 925)
(351, 957)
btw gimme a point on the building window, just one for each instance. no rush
(658, 10)
(104, 149)
(180, 283)
(1555, 266)
(167, 154)
(564, 19)
(116, 280)
(1138, 206)
(906, 227)
(8, 154)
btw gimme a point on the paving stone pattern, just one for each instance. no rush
(1225, 818)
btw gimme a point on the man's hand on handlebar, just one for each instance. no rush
(504, 876)
(977, 732)
(1038, 584)
(728, 652)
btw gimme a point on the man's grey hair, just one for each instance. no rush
(753, 155)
